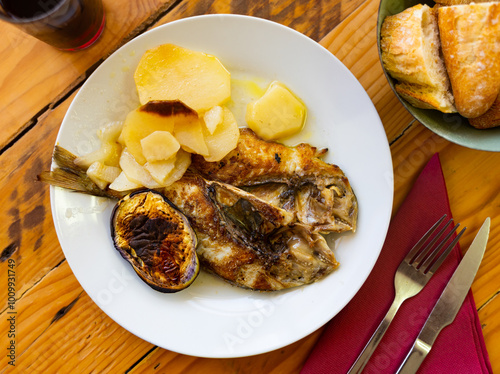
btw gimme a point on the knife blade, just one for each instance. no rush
(449, 303)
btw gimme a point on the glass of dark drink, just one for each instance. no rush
(68, 25)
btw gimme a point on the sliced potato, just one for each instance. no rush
(224, 139)
(213, 118)
(160, 170)
(151, 117)
(110, 149)
(108, 154)
(110, 132)
(190, 136)
(169, 72)
(182, 163)
(159, 146)
(101, 174)
(122, 183)
(136, 172)
(277, 114)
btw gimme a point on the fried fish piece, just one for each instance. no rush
(242, 238)
(247, 241)
(294, 178)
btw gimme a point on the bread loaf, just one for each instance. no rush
(470, 40)
(489, 119)
(410, 49)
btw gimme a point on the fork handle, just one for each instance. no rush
(367, 352)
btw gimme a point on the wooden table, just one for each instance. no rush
(58, 327)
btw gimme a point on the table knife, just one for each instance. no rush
(449, 302)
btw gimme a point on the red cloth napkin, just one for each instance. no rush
(459, 348)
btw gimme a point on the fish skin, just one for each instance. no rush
(275, 255)
(294, 178)
(255, 236)
(255, 161)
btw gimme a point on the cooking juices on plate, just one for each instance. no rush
(64, 24)
(258, 208)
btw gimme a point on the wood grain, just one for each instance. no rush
(62, 330)
(272, 362)
(67, 332)
(354, 43)
(490, 322)
(30, 239)
(37, 76)
(26, 229)
(312, 18)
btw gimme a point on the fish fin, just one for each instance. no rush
(72, 177)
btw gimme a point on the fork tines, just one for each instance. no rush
(425, 259)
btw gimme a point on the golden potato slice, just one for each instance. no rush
(213, 117)
(171, 170)
(108, 154)
(182, 163)
(151, 117)
(122, 183)
(109, 151)
(224, 138)
(161, 169)
(169, 72)
(110, 132)
(190, 136)
(135, 172)
(277, 114)
(101, 174)
(159, 146)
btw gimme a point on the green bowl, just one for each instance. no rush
(452, 127)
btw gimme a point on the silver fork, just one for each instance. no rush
(411, 276)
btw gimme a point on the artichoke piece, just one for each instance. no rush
(156, 239)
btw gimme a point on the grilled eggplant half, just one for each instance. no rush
(156, 239)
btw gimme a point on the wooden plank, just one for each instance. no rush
(312, 18)
(35, 76)
(35, 257)
(37, 310)
(27, 232)
(27, 229)
(354, 43)
(89, 340)
(61, 330)
(490, 322)
(272, 362)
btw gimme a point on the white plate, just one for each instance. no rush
(212, 318)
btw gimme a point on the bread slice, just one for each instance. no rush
(470, 40)
(426, 97)
(489, 119)
(410, 49)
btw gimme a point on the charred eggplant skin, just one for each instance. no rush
(156, 239)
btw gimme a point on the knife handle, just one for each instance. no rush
(414, 358)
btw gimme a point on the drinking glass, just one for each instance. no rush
(65, 24)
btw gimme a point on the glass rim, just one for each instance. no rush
(17, 20)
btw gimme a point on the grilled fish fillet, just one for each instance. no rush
(242, 238)
(294, 178)
(247, 241)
